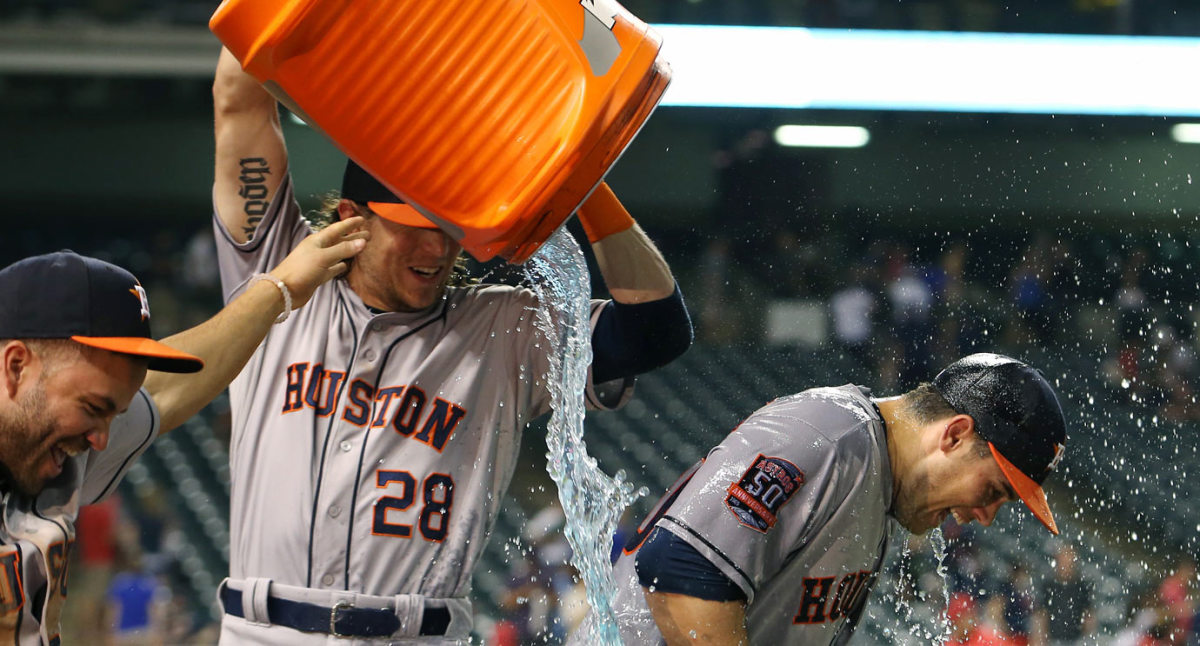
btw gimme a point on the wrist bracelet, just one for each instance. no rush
(603, 215)
(287, 296)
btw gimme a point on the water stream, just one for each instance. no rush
(939, 551)
(591, 500)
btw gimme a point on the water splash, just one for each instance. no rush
(939, 551)
(901, 596)
(592, 501)
(909, 604)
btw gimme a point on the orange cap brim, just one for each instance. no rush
(401, 214)
(162, 357)
(1031, 493)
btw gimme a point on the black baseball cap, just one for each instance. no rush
(1017, 413)
(64, 295)
(360, 186)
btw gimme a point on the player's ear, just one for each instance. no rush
(956, 431)
(346, 209)
(17, 358)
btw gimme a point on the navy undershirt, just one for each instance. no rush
(668, 563)
(631, 339)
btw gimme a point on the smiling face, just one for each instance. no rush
(958, 478)
(402, 268)
(58, 406)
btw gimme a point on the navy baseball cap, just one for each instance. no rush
(1017, 413)
(362, 187)
(64, 295)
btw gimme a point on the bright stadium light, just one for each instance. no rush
(1186, 133)
(822, 136)
(793, 67)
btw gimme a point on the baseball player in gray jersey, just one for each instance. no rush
(75, 345)
(375, 434)
(777, 536)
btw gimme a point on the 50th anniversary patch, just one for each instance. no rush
(765, 487)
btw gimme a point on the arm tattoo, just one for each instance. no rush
(253, 177)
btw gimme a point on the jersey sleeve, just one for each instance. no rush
(763, 491)
(280, 230)
(129, 436)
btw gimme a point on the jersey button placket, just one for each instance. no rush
(330, 531)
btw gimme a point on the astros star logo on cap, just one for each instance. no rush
(140, 292)
(1059, 450)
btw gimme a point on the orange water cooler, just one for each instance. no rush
(495, 118)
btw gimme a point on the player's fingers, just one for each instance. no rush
(340, 229)
(351, 233)
(336, 270)
(345, 249)
(352, 222)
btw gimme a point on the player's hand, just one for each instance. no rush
(321, 257)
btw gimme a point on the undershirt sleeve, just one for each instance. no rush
(631, 339)
(667, 563)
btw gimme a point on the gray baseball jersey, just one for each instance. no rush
(793, 508)
(37, 533)
(371, 451)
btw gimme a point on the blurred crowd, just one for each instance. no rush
(903, 296)
(902, 310)
(544, 599)
(1051, 602)
(125, 582)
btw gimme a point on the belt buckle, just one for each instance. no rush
(333, 617)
